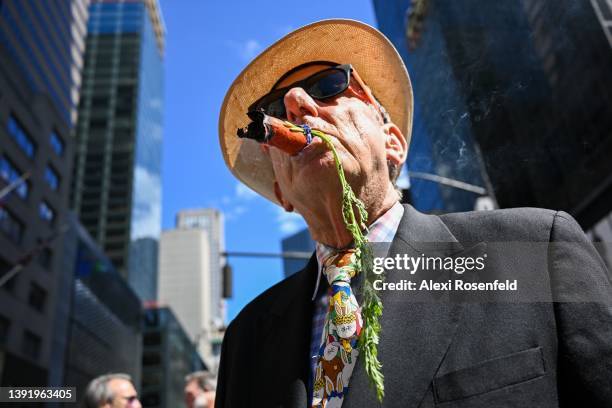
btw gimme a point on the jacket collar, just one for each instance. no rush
(415, 335)
(417, 330)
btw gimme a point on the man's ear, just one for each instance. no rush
(279, 196)
(395, 144)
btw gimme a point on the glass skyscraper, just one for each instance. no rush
(46, 41)
(103, 313)
(442, 143)
(41, 46)
(168, 356)
(527, 83)
(117, 181)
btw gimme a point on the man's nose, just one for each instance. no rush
(298, 103)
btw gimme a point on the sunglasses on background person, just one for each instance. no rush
(321, 85)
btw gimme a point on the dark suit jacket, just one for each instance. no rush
(448, 353)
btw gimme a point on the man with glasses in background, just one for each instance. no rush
(111, 391)
(295, 344)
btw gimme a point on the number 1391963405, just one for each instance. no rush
(37, 394)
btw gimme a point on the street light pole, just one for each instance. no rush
(284, 255)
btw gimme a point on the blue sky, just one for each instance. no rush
(208, 43)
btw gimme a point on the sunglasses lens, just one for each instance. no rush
(324, 84)
(328, 83)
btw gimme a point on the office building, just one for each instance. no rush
(442, 143)
(187, 281)
(168, 356)
(297, 242)
(117, 181)
(529, 81)
(98, 329)
(210, 220)
(41, 53)
(46, 41)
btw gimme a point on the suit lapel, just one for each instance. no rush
(283, 340)
(415, 333)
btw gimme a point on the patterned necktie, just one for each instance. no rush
(338, 352)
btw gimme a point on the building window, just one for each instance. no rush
(151, 359)
(18, 133)
(45, 257)
(11, 226)
(10, 173)
(57, 143)
(5, 324)
(51, 177)
(152, 339)
(6, 267)
(37, 297)
(46, 212)
(31, 344)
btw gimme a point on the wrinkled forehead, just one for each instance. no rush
(301, 72)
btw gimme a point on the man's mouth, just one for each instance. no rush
(312, 149)
(315, 150)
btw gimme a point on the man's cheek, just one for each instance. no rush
(280, 161)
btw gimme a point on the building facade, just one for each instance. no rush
(298, 242)
(41, 53)
(168, 356)
(442, 143)
(528, 81)
(190, 278)
(210, 221)
(103, 331)
(117, 172)
(46, 42)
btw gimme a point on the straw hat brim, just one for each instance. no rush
(339, 40)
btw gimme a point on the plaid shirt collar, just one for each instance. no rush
(382, 230)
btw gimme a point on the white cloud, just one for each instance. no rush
(146, 211)
(246, 50)
(234, 212)
(243, 192)
(156, 103)
(234, 205)
(289, 222)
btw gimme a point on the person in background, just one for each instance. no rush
(200, 390)
(111, 391)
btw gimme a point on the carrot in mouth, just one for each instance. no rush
(272, 131)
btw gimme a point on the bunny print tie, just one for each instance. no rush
(338, 352)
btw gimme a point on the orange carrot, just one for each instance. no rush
(274, 132)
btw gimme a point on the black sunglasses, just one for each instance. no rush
(320, 85)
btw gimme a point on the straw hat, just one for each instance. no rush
(339, 40)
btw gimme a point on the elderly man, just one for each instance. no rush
(111, 391)
(297, 343)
